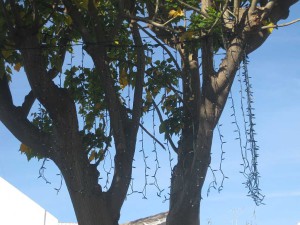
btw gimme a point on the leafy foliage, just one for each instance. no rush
(132, 70)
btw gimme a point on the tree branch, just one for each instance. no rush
(127, 130)
(78, 20)
(167, 134)
(28, 102)
(156, 10)
(121, 126)
(236, 7)
(204, 7)
(55, 100)
(219, 18)
(139, 81)
(162, 46)
(60, 57)
(5, 13)
(16, 122)
(228, 67)
(207, 66)
(154, 138)
(281, 10)
(203, 13)
(158, 25)
(15, 13)
(267, 9)
(253, 5)
(280, 25)
(99, 29)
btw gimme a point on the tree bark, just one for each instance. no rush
(188, 178)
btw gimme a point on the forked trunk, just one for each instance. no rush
(89, 201)
(91, 209)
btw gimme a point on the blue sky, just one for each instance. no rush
(275, 72)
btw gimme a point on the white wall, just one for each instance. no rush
(17, 209)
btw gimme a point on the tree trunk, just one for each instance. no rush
(81, 177)
(91, 207)
(188, 177)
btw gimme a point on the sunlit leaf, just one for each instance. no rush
(18, 66)
(175, 13)
(24, 148)
(268, 23)
(92, 155)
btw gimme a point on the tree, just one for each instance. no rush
(37, 35)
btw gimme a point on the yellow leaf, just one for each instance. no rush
(92, 155)
(123, 79)
(270, 30)
(117, 43)
(24, 148)
(17, 67)
(268, 23)
(180, 12)
(174, 13)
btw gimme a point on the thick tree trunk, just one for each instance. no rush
(188, 177)
(91, 209)
(90, 206)
(81, 177)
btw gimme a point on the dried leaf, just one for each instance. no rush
(17, 67)
(24, 148)
(92, 156)
(123, 79)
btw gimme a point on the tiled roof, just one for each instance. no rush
(158, 219)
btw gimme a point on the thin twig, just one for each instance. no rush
(163, 46)
(157, 141)
(193, 8)
(156, 10)
(218, 19)
(167, 134)
(149, 21)
(280, 25)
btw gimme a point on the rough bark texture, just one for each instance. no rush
(64, 145)
(203, 105)
(195, 144)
